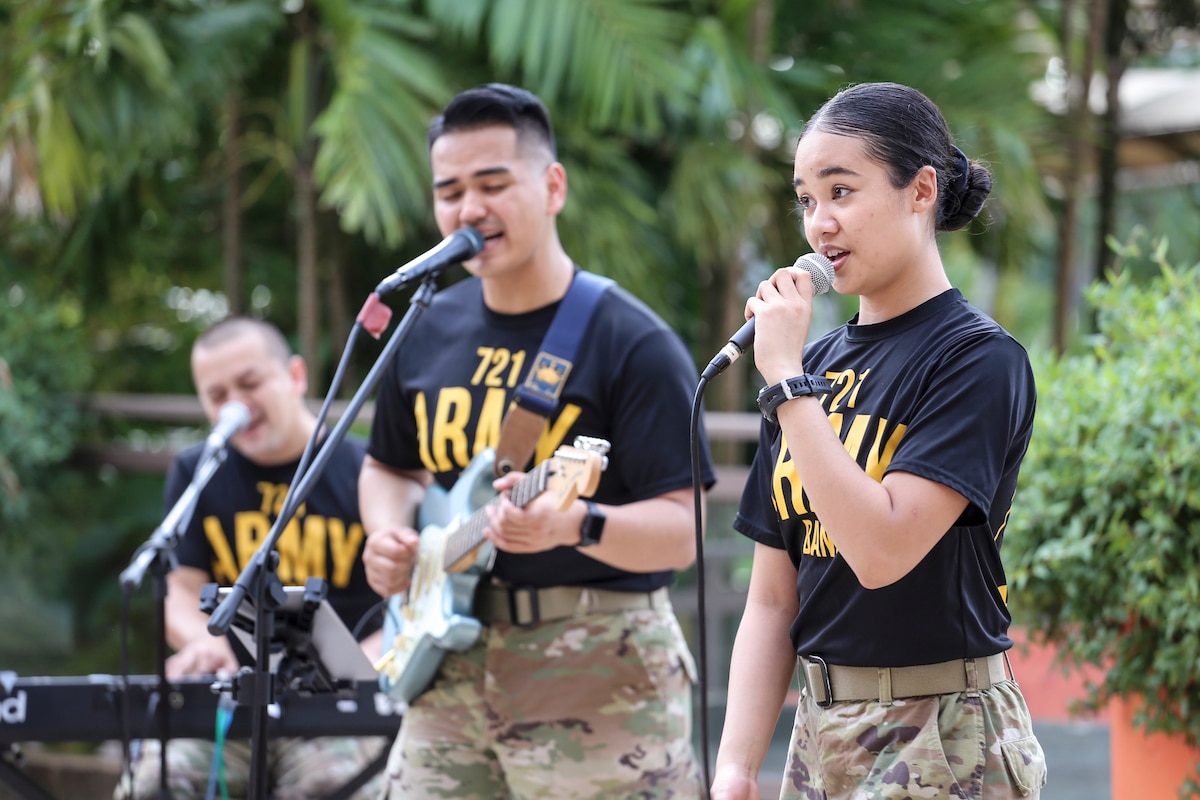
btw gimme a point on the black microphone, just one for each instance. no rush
(233, 417)
(464, 243)
(816, 265)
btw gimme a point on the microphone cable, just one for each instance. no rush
(701, 616)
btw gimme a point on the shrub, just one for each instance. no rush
(1104, 554)
(43, 366)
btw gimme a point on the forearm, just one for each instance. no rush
(882, 528)
(760, 674)
(197, 652)
(185, 622)
(647, 536)
(388, 498)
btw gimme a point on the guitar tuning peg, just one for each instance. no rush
(594, 444)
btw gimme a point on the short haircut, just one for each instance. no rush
(497, 104)
(232, 327)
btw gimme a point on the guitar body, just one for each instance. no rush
(434, 616)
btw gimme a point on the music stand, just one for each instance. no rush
(310, 650)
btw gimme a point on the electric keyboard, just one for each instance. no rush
(91, 709)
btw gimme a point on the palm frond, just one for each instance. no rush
(617, 60)
(371, 165)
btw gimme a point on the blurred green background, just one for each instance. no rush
(165, 163)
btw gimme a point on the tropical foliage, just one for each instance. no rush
(163, 163)
(1105, 561)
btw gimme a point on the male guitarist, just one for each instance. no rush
(580, 682)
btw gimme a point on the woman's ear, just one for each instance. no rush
(924, 189)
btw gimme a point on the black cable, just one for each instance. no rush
(701, 623)
(338, 375)
(126, 730)
(366, 617)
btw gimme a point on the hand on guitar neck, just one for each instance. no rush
(454, 552)
(534, 528)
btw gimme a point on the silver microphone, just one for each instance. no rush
(818, 267)
(233, 417)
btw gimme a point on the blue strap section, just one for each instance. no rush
(548, 374)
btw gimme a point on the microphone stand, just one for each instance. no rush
(157, 555)
(258, 580)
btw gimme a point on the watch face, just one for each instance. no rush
(592, 527)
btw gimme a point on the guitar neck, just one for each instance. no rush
(470, 534)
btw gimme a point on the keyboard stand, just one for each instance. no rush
(15, 778)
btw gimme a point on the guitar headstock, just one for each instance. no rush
(574, 471)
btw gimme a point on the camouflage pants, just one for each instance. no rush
(300, 769)
(590, 707)
(974, 745)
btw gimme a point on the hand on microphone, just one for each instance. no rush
(783, 308)
(820, 270)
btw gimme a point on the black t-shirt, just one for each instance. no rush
(942, 392)
(237, 508)
(443, 399)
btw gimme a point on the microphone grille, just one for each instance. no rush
(235, 413)
(474, 239)
(820, 268)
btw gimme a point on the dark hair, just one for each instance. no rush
(232, 327)
(497, 104)
(903, 129)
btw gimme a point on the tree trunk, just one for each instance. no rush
(1077, 124)
(1108, 162)
(732, 392)
(340, 321)
(307, 306)
(231, 224)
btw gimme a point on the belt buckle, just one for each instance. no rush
(535, 613)
(823, 669)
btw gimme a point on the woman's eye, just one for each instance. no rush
(804, 201)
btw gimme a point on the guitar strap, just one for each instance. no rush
(537, 397)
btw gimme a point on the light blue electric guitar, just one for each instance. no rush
(434, 615)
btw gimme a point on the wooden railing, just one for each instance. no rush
(726, 554)
(184, 410)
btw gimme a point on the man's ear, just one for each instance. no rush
(298, 371)
(556, 188)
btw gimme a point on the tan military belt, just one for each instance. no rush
(522, 605)
(829, 683)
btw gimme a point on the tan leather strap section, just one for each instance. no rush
(525, 606)
(518, 436)
(829, 683)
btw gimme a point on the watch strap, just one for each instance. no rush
(592, 527)
(770, 398)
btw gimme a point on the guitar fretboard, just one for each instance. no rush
(470, 535)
